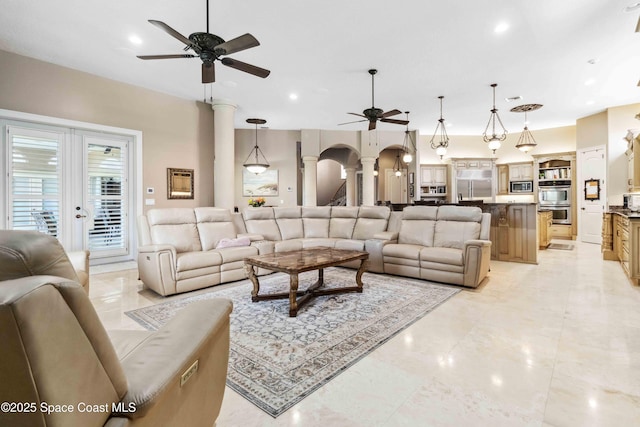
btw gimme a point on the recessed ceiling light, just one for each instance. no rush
(501, 27)
(632, 7)
(135, 39)
(589, 82)
(513, 98)
(293, 96)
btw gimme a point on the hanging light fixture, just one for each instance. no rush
(396, 165)
(441, 146)
(375, 168)
(409, 145)
(526, 141)
(494, 139)
(256, 166)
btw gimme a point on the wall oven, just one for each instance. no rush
(561, 214)
(554, 194)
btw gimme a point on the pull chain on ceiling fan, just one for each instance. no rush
(209, 48)
(373, 114)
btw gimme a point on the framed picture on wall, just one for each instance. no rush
(264, 184)
(179, 183)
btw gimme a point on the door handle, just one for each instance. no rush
(80, 216)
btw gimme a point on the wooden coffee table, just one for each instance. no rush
(296, 262)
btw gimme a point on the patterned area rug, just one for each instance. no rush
(275, 361)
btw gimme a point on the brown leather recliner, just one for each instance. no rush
(58, 366)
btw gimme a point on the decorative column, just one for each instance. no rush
(368, 196)
(309, 194)
(351, 186)
(224, 186)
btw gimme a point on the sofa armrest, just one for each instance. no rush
(157, 368)
(477, 256)
(80, 262)
(157, 248)
(157, 268)
(386, 235)
(252, 236)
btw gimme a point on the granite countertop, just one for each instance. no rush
(619, 210)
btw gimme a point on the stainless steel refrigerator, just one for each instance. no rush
(474, 184)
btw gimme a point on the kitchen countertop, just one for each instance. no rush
(618, 210)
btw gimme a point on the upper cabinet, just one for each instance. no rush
(521, 172)
(503, 179)
(433, 181)
(474, 164)
(633, 170)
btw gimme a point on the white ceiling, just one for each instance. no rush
(321, 50)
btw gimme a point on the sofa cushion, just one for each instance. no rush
(343, 221)
(417, 232)
(460, 213)
(236, 253)
(315, 221)
(288, 245)
(318, 241)
(214, 224)
(371, 220)
(406, 251)
(420, 213)
(289, 222)
(261, 221)
(349, 244)
(195, 260)
(453, 234)
(175, 227)
(442, 255)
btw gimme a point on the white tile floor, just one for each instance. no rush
(554, 344)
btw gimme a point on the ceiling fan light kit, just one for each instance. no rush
(210, 48)
(494, 140)
(441, 145)
(256, 165)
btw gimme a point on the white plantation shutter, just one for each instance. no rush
(35, 180)
(106, 181)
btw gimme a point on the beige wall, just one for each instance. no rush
(328, 180)
(619, 121)
(176, 133)
(279, 147)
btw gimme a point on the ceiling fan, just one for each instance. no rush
(373, 114)
(209, 48)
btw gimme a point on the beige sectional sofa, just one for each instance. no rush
(180, 248)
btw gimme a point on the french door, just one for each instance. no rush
(71, 184)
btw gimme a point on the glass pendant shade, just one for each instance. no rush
(441, 131)
(408, 145)
(396, 166)
(494, 138)
(407, 158)
(256, 162)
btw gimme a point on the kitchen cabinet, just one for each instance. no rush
(433, 181)
(503, 179)
(521, 172)
(621, 242)
(633, 163)
(474, 164)
(513, 232)
(545, 222)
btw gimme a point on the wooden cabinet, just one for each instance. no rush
(433, 181)
(633, 164)
(474, 164)
(521, 172)
(513, 232)
(621, 242)
(503, 179)
(545, 222)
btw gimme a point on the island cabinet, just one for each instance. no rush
(545, 222)
(621, 242)
(513, 232)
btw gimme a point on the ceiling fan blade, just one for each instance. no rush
(179, 55)
(372, 124)
(239, 43)
(247, 68)
(359, 115)
(347, 123)
(208, 73)
(390, 113)
(167, 29)
(397, 122)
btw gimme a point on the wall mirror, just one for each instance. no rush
(179, 183)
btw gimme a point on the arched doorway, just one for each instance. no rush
(337, 177)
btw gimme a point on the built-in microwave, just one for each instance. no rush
(521, 187)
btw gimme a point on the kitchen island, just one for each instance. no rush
(514, 232)
(621, 240)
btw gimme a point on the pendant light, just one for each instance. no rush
(526, 141)
(494, 140)
(396, 165)
(409, 145)
(443, 143)
(256, 166)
